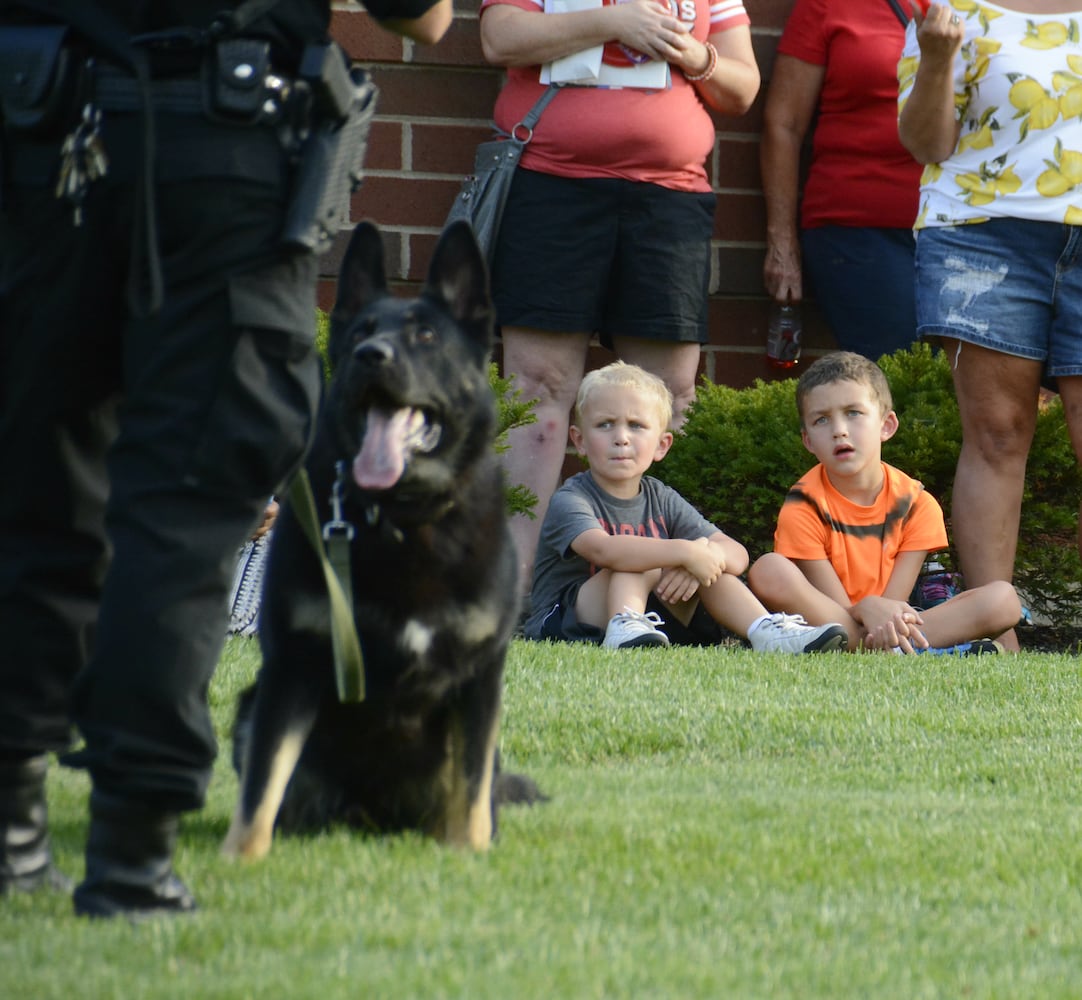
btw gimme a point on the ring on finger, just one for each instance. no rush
(955, 19)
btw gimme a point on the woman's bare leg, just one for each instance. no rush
(997, 399)
(547, 367)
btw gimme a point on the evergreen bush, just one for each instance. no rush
(512, 411)
(740, 451)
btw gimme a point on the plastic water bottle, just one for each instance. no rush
(783, 335)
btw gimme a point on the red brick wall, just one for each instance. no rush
(435, 106)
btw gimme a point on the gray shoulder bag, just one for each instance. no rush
(484, 192)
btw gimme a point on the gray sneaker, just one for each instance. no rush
(630, 629)
(781, 633)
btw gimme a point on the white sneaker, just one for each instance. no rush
(629, 629)
(781, 633)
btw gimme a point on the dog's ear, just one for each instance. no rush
(458, 276)
(361, 280)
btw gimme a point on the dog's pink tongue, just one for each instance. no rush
(382, 457)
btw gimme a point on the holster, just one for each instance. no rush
(40, 78)
(331, 159)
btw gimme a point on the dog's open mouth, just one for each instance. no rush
(391, 437)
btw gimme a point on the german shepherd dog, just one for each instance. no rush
(409, 417)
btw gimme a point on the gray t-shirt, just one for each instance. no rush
(658, 511)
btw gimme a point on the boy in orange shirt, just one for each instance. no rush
(854, 532)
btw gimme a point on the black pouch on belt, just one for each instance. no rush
(236, 79)
(39, 78)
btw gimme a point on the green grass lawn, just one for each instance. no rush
(721, 825)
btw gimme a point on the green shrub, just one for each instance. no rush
(741, 451)
(323, 334)
(512, 411)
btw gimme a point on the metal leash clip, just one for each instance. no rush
(336, 527)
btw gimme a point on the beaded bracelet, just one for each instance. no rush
(711, 65)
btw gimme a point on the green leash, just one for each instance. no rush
(348, 662)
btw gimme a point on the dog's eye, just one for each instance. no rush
(425, 335)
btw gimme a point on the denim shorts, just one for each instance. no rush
(1010, 285)
(862, 278)
(604, 255)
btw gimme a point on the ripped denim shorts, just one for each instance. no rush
(1010, 285)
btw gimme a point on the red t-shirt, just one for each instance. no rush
(659, 136)
(860, 174)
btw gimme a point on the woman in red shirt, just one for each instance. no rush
(837, 64)
(609, 219)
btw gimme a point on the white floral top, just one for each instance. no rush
(1018, 93)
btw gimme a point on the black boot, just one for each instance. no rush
(26, 862)
(129, 862)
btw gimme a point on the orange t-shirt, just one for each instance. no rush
(861, 543)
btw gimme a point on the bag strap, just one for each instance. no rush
(897, 8)
(533, 116)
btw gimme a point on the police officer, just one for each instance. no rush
(158, 380)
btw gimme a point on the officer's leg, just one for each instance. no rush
(220, 396)
(58, 393)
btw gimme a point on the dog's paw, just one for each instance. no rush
(246, 842)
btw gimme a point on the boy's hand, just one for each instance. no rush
(891, 624)
(676, 585)
(270, 514)
(705, 561)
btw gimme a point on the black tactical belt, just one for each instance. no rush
(116, 90)
(233, 82)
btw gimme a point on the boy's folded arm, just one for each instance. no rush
(876, 610)
(822, 575)
(735, 556)
(889, 618)
(633, 553)
(903, 577)
(889, 622)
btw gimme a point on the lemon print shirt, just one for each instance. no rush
(1018, 95)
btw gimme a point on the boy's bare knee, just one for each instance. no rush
(1006, 598)
(767, 572)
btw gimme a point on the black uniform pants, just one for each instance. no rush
(136, 454)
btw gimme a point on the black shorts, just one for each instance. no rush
(562, 624)
(606, 256)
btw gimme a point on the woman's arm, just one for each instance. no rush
(928, 125)
(514, 37)
(790, 104)
(427, 29)
(732, 85)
